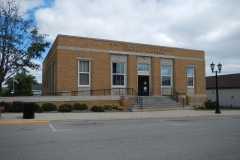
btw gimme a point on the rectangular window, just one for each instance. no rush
(118, 74)
(190, 76)
(143, 68)
(84, 73)
(166, 73)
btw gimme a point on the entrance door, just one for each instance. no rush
(143, 85)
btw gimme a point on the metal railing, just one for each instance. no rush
(99, 92)
(140, 101)
(179, 97)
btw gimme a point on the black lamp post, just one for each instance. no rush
(216, 71)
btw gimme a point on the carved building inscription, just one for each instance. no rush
(140, 48)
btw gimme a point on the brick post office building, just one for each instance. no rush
(82, 65)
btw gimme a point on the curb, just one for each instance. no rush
(25, 122)
(134, 118)
(160, 109)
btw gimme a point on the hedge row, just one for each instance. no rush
(106, 107)
(17, 106)
(206, 105)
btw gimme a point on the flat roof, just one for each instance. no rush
(135, 43)
(224, 81)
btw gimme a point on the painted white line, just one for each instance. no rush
(56, 130)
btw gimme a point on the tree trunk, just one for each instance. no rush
(1, 88)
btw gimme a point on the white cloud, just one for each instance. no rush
(209, 25)
(37, 73)
(24, 6)
(27, 5)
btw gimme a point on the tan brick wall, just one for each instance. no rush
(155, 76)
(68, 70)
(127, 101)
(200, 79)
(46, 75)
(132, 72)
(83, 42)
(187, 53)
(73, 41)
(179, 76)
(197, 100)
(101, 71)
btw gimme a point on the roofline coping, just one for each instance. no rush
(79, 37)
(224, 75)
(237, 87)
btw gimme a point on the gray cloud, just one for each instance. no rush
(209, 25)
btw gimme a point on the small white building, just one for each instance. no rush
(37, 89)
(228, 89)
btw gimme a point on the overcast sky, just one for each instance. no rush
(209, 25)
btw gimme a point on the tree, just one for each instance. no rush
(22, 84)
(20, 41)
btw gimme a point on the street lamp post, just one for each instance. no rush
(216, 77)
(14, 81)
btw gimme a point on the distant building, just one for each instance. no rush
(229, 89)
(37, 89)
(85, 64)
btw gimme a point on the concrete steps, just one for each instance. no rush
(156, 103)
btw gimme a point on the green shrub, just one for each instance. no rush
(49, 107)
(36, 106)
(108, 107)
(65, 108)
(210, 104)
(39, 109)
(78, 106)
(97, 109)
(7, 106)
(120, 107)
(17, 106)
(198, 107)
(115, 105)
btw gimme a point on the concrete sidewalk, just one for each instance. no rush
(41, 118)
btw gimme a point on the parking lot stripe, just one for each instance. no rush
(56, 130)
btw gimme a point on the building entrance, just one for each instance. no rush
(143, 85)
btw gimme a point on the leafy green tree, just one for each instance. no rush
(22, 84)
(20, 41)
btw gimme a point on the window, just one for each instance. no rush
(166, 74)
(84, 73)
(190, 76)
(118, 71)
(143, 68)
